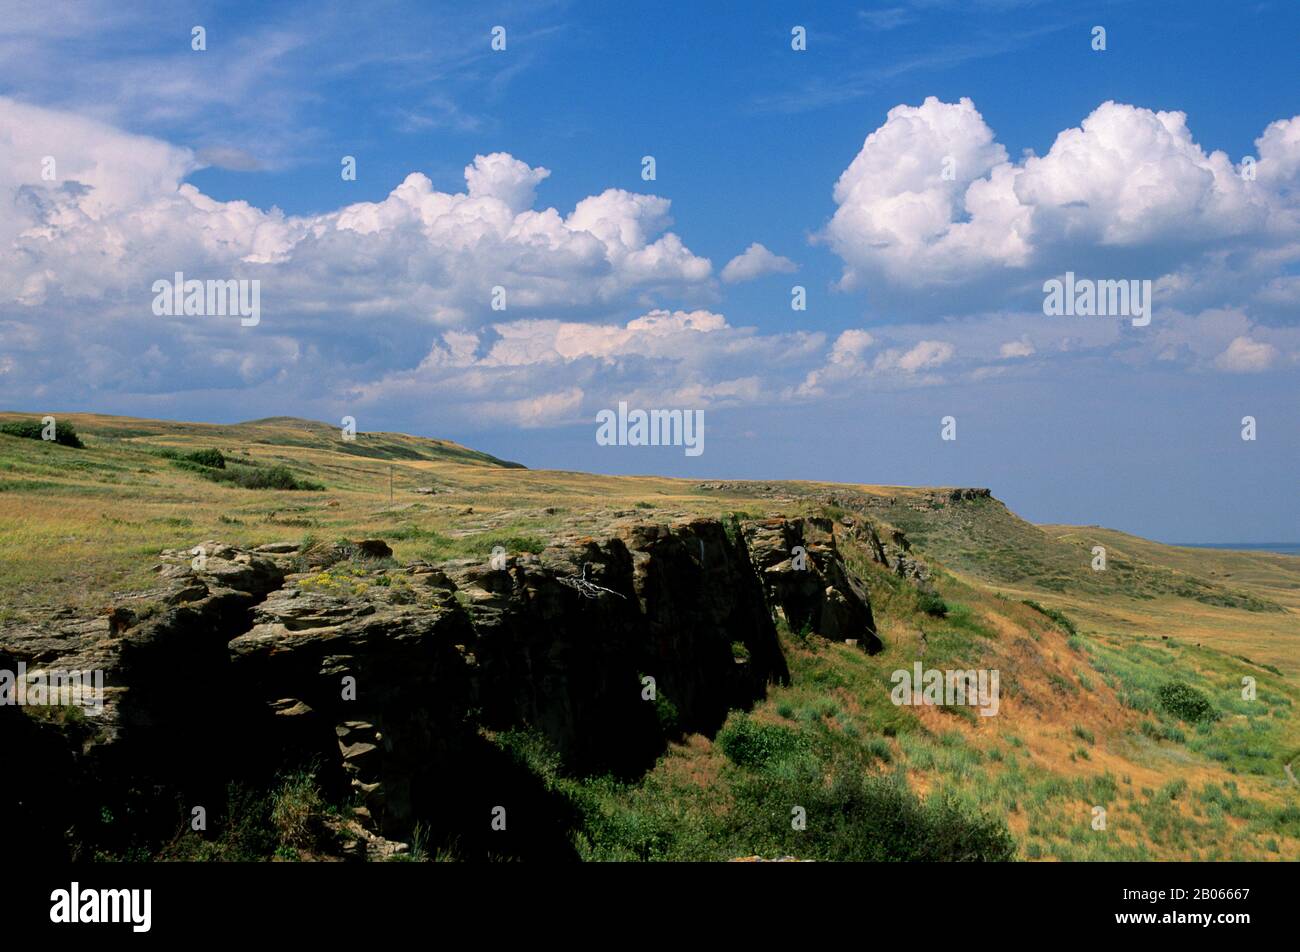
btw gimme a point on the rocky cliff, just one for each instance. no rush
(384, 678)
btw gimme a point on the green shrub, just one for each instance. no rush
(209, 458)
(64, 433)
(254, 823)
(750, 743)
(878, 749)
(666, 713)
(1055, 615)
(1184, 702)
(932, 605)
(804, 635)
(270, 477)
(273, 477)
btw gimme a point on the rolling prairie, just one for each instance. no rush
(1086, 657)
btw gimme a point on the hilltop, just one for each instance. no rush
(269, 431)
(945, 574)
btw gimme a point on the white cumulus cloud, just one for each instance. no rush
(754, 262)
(1244, 355)
(926, 355)
(1016, 348)
(932, 198)
(96, 215)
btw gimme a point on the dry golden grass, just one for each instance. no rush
(77, 525)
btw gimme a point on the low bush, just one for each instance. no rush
(1184, 702)
(1059, 617)
(269, 477)
(751, 743)
(210, 458)
(668, 717)
(64, 433)
(932, 605)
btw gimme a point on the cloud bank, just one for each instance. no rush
(478, 305)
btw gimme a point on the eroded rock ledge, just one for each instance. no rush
(383, 677)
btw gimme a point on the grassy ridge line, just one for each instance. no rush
(272, 431)
(986, 539)
(79, 525)
(1271, 574)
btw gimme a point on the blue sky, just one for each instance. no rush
(924, 292)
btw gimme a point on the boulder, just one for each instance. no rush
(374, 549)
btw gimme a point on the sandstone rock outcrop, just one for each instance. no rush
(374, 692)
(807, 582)
(564, 640)
(894, 552)
(173, 719)
(245, 663)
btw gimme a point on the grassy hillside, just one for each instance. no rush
(985, 539)
(1088, 717)
(270, 431)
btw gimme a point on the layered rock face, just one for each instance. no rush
(565, 640)
(807, 582)
(374, 692)
(894, 552)
(383, 677)
(174, 718)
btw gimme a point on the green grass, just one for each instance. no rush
(1193, 696)
(435, 547)
(284, 821)
(984, 538)
(785, 800)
